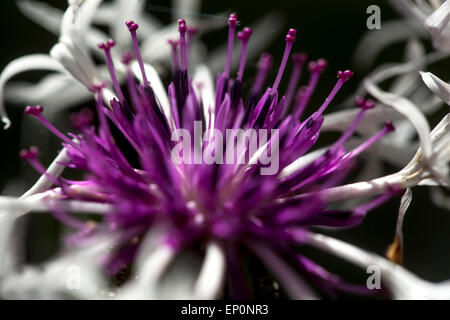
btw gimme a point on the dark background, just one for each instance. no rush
(327, 28)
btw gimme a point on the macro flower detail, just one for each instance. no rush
(155, 210)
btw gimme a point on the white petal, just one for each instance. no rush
(55, 92)
(155, 46)
(144, 285)
(42, 13)
(440, 199)
(74, 61)
(438, 26)
(295, 287)
(410, 9)
(374, 41)
(55, 169)
(77, 19)
(409, 110)
(77, 275)
(406, 83)
(302, 162)
(40, 203)
(125, 10)
(437, 86)
(404, 205)
(107, 15)
(186, 9)
(401, 283)
(210, 280)
(203, 78)
(26, 63)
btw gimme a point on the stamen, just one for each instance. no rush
(31, 156)
(304, 94)
(388, 127)
(264, 65)
(107, 49)
(363, 209)
(244, 36)
(174, 45)
(290, 39)
(299, 60)
(37, 112)
(343, 76)
(364, 105)
(232, 22)
(59, 214)
(133, 27)
(182, 29)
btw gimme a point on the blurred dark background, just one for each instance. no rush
(327, 28)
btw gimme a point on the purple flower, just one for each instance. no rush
(222, 211)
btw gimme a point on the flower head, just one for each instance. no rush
(245, 204)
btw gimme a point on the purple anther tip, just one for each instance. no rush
(132, 26)
(173, 43)
(107, 45)
(82, 119)
(292, 32)
(30, 153)
(126, 58)
(266, 61)
(182, 27)
(34, 111)
(245, 34)
(232, 20)
(290, 37)
(98, 87)
(345, 75)
(365, 103)
(389, 126)
(299, 57)
(318, 66)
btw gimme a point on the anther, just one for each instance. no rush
(34, 111)
(126, 58)
(318, 66)
(389, 126)
(290, 37)
(132, 26)
(299, 57)
(232, 20)
(82, 119)
(345, 75)
(28, 154)
(365, 103)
